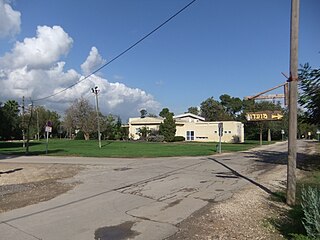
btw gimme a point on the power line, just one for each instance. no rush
(122, 53)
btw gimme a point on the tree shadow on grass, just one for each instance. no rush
(6, 144)
(14, 154)
(106, 144)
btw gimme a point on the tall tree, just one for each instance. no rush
(232, 105)
(143, 113)
(168, 128)
(165, 112)
(41, 117)
(81, 115)
(10, 120)
(310, 95)
(194, 110)
(212, 110)
(107, 126)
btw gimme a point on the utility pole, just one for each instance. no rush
(38, 130)
(95, 91)
(293, 92)
(28, 127)
(23, 125)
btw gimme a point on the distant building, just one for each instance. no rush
(192, 128)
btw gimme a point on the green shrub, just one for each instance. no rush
(157, 138)
(79, 136)
(299, 237)
(311, 208)
(178, 139)
(235, 139)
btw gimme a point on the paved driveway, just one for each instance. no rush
(135, 198)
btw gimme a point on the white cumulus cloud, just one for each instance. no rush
(93, 62)
(39, 52)
(33, 68)
(9, 20)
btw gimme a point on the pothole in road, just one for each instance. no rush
(119, 232)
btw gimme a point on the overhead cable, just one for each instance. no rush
(120, 54)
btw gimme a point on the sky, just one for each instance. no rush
(214, 47)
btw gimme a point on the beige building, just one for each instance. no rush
(192, 128)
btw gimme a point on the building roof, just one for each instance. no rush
(190, 115)
(146, 120)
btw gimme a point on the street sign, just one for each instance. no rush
(48, 129)
(264, 116)
(220, 128)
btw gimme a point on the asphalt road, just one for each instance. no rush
(136, 198)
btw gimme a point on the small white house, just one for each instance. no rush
(192, 127)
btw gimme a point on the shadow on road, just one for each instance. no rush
(304, 161)
(237, 174)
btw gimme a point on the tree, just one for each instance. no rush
(143, 132)
(81, 115)
(193, 110)
(212, 110)
(168, 127)
(152, 115)
(165, 112)
(10, 127)
(310, 95)
(143, 113)
(112, 129)
(40, 118)
(108, 127)
(232, 106)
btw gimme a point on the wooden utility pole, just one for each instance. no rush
(23, 125)
(293, 92)
(28, 128)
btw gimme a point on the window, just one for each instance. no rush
(201, 137)
(190, 135)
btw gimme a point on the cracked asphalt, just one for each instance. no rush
(135, 198)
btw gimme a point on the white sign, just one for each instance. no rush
(48, 129)
(318, 131)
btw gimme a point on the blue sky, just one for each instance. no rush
(214, 47)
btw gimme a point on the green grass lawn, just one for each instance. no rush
(64, 147)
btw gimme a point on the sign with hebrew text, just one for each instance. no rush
(264, 116)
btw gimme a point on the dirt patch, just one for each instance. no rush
(25, 184)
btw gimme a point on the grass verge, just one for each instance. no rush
(57, 147)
